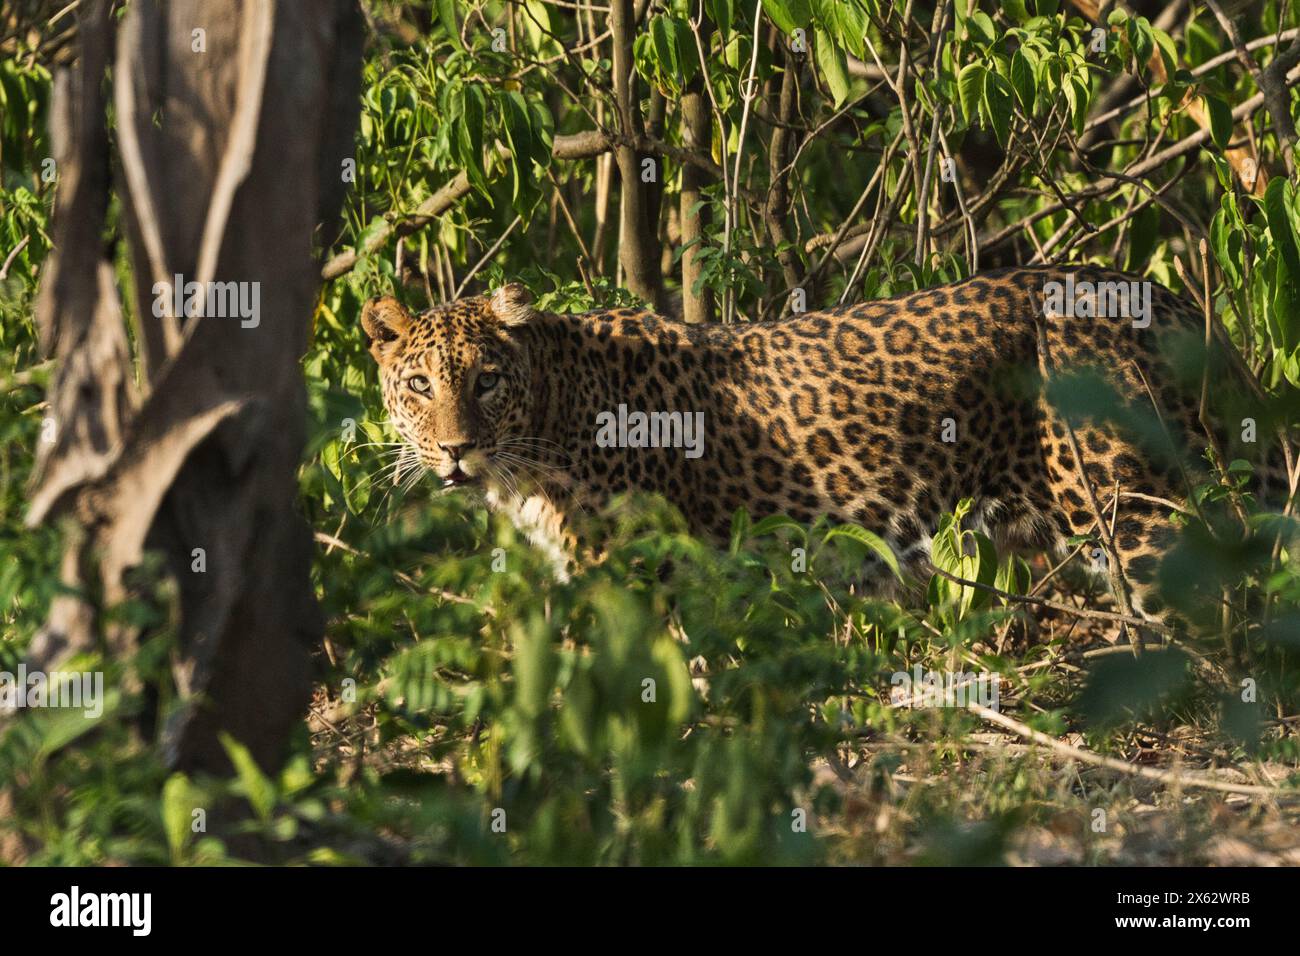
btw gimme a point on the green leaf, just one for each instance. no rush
(665, 46)
(997, 105)
(870, 541)
(1220, 120)
(772, 522)
(1079, 102)
(534, 667)
(1241, 721)
(740, 524)
(1015, 10)
(789, 15)
(846, 22)
(469, 132)
(1142, 238)
(1168, 50)
(723, 14)
(1279, 222)
(536, 21)
(370, 236)
(1022, 80)
(1225, 240)
(177, 809)
(979, 27)
(1142, 40)
(1121, 688)
(833, 64)
(520, 138)
(1014, 576)
(256, 786)
(447, 15)
(965, 554)
(688, 59)
(1285, 313)
(970, 89)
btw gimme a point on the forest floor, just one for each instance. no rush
(996, 794)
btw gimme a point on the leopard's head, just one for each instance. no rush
(457, 379)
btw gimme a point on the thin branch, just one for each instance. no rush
(487, 256)
(1166, 777)
(13, 254)
(1085, 612)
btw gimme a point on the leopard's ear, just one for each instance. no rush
(385, 322)
(512, 304)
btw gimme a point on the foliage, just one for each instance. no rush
(677, 702)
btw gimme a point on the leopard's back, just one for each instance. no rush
(888, 413)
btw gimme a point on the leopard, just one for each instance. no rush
(884, 414)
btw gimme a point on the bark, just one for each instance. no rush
(778, 203)
(229, 158)
(638, 238)
(697, 134)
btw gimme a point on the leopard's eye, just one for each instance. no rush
(418, 383)
(486, 382)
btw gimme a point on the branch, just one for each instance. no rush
(1239, 157)
(1090, 613)
(1271, 83)
(1163, 158)
(582, 145)
(1167, 777)
(13, 254)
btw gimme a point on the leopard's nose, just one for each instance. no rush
(456, 450)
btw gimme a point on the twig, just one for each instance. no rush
(1056, 605)
(583, 145)
(329, 539)
(13, 254)
(493, 251)
(922, 209)
(747, 93)
(1166, 777)
(973, 242)
(1211, 64)
(1186, 145)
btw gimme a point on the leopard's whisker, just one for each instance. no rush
(503, 474)
(528, 465)
(542, 445)
(524, 460)
(385, 470)
(532, 438)
(377, 444)
(409, 457)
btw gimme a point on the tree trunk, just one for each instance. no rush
(778, 204)
(638, 237)
(697, 134)
(233, 122)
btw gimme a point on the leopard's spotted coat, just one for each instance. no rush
(840, 412)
